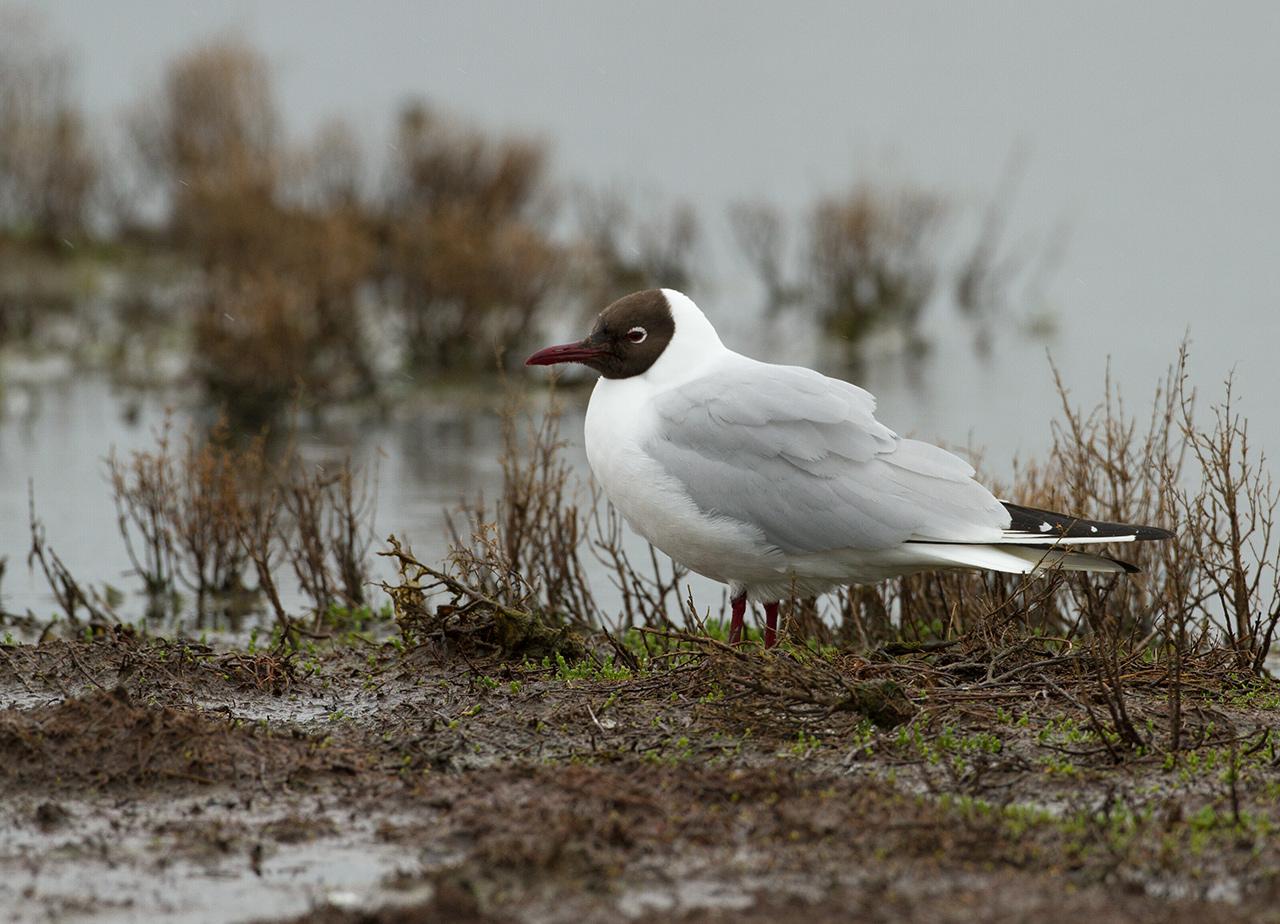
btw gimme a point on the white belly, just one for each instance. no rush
(655, 505)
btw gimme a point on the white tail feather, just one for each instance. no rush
(1013, 559)
(1013, 537)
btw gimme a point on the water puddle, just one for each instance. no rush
(212, 870)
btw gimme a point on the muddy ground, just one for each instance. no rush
(360, 781)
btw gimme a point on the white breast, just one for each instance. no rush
(620, 420)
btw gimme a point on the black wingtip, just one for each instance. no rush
(1062, 526)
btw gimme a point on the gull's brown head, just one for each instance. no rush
(628, 337)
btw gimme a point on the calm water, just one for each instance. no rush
(1150, 135)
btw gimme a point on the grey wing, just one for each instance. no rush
(801, 457)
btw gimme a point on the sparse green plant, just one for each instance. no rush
(804, 745)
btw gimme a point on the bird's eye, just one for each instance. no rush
(637, 334)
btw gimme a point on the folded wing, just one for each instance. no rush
(801, 457)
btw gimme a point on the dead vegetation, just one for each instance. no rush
(873, 259)
(310, 265)
(516, 578)
(48, 169)
(278, 314)
(202, 516)
(469, 262)
(872, 265)
(477, 619)
(516, 582)
(302, 261)
(548, 529)
(315, 272)
(624, 247)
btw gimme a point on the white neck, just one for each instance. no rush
(694, 345)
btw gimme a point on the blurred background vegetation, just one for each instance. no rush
(212, 249)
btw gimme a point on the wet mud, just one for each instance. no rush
(146, 779)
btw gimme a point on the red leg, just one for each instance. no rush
(770, 624)
(735, 624)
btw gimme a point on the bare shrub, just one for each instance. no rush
(469, 262)
(283, 242)
(211, 132)
(442, 163)
(259, 532)
(874, 257)
(1231, 520)
(329, 173)
(262, 344)
(74, 599)
(329, 532)
(540, 523)
(202, 516)
(760, 232)
(251, 357)
(145, 490)
(281, 313)
(1215, 582)
(458, 245)
(872, 260)
(207, 514)
(179, 512)
(1109, 464)
(533, 548)
(624, 249)
(48, 170)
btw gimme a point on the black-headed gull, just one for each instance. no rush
(777, 479)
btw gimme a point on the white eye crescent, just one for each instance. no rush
(637, 334)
